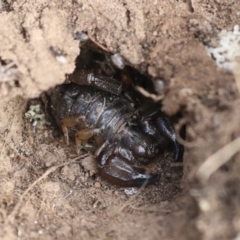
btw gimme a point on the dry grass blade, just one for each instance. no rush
(50, 170)
(218, 159)
(151, 209)
(98, 44)
(197, 143)
(145, 93)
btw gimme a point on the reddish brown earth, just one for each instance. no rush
(45, 194)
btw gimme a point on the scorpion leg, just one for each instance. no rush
(82, 137)
(119, 170)
(155, 123)
(68, 122)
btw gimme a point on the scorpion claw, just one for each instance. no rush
(119, 171)
(165, 127)
(155, 123)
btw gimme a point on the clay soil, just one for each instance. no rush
(48, 193)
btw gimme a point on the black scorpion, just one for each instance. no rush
(123, 137)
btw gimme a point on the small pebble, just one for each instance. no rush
(116, 193)
(130, 191)
(97, 185)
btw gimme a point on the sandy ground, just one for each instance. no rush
(45, 192)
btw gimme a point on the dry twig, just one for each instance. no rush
(11, 216)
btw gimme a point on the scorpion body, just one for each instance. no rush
(122, 138)
(94, 110)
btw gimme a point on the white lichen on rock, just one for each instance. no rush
(227, 53)
(36, 116)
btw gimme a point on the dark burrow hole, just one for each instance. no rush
(105, 90)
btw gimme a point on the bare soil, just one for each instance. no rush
(45, 192)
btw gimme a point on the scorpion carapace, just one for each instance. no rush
(93, 109)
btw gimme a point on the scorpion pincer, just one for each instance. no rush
(123, 139)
